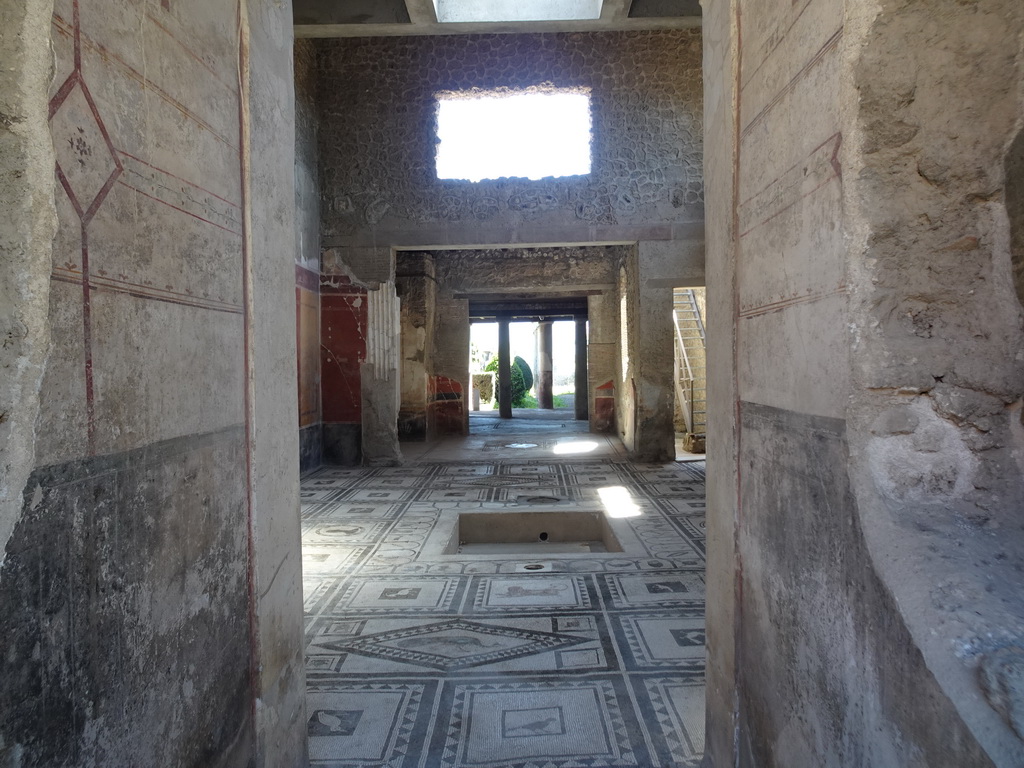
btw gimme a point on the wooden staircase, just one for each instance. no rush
(690, 361)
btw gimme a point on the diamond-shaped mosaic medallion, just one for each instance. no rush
(457, 644)
(86, 157)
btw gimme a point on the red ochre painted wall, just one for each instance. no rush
(445, 407)
(307, 344)
(603, 418)
(343, 321)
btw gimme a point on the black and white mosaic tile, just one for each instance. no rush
(417, 659)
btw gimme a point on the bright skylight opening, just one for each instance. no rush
(516, 10)
(530, 135)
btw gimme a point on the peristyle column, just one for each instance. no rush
(582, 398)
(545, 395)
(504, 371)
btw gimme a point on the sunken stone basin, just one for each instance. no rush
(535, 532)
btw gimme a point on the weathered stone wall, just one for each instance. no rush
(934, 424)
(602, 353)
(528, 270)
(720, 92)
(27, 222)
(515, 272)
(855, 486)
(268, 132)
(378, 140)
(148, 589)
(307, 256)
(417, 291)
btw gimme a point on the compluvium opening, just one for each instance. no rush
(513, 134)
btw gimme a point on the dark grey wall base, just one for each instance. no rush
(311, 447)
(845, 661)
(124, 600)
(343, 444)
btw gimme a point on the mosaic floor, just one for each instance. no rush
(540, 659)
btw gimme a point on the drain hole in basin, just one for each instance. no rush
(543, 536)
(533, 567)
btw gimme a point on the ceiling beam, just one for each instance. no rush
(493, 28)
(422, 12)
(615, 10)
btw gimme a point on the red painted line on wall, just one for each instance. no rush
(779, 41)
(104, 191)
(63, 92)
(255, 682)
(199, 59)
(77, 26)
(778, 306)
(837, 173)
(785, 208)
(98, 284)
(183, 180)
(67, 189)
(835, 136)
(109, 56)
(831, 43)
(180, 210)
(90, 399)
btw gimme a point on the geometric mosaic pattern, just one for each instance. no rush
(457, 644)
(420, 660)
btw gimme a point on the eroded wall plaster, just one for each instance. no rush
(149, 588)
(860, 532)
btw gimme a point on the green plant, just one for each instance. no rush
(518, 382)
(527, 373)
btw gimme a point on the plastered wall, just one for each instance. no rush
(455, 275)
(149, 582)
(849, 244)
(307, 256)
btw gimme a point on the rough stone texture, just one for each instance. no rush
(603, 352)
(451, 364)
(859, 529)
(417, 291)
(377, 140)
(366, 266)
(934, 212)
(143, 551)
(27, 222)
(537, 270)
(1015, 210)
(1002, 679)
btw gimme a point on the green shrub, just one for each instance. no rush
(527, 373)
(519, 388)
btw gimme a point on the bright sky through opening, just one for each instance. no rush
(530, 135)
